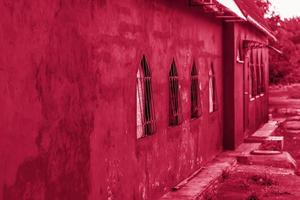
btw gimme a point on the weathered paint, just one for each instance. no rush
(48, 100)
(68, 75)
(148, 167)
(68, 103)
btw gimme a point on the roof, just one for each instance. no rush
(231, 5)
(238, 11)
(249, 8)
(249, 11)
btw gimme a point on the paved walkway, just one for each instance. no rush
(259, 182)
(205, 180)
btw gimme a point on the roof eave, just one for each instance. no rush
(231, 5)
(259, 26)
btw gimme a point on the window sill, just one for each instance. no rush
(145, 136)
(195, 119)
(144, 143)
(212, 116)
(174, 126)
(256, 97)
(240, 61)
(212, 112)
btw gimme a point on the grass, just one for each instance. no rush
(294, 92)
(264, 180)
(253, 196)
(225, 174)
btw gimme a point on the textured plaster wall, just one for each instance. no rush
(67, 82)
(162, 30)
(48, 99)
(258, 107)
(236, 83)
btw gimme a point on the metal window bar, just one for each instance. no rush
(196, 107)
(147, 110)
(174, 100)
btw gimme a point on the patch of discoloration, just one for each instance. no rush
(66, 87)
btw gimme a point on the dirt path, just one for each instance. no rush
(258, 182)
(253, 182)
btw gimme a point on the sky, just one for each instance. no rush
(286, 8)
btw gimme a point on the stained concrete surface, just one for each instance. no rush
(260, 182)
(260, 176)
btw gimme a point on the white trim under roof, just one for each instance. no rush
(255, 23)
(231, 5)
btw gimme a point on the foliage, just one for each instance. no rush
(264, 5)
(284, 69)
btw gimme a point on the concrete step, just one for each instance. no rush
(283, 160)
(267, 143)
(273, 143)
(292, 125)
(204, 182)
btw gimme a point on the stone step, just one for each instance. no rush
(274, 143)
(265, 152)
(292, 125)
(267, 143)
(204, 182)
(282, 160)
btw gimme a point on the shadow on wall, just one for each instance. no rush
(66, 87)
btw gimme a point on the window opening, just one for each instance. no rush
(213, 106)
(175, 116)
(145, 107)
(196, 109)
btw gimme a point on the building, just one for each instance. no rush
(124, 99)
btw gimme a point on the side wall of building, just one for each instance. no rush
(48, 86)
(146, 168)
(257, 105)
(247, 113)
(68, 109)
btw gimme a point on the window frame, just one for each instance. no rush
(196, 104)
(212, 90)
(175, 110)
(240, 51)
(252, 76)
(258, 75)
(144, 102)
(263, 78)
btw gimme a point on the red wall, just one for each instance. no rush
(258, 106)
(148, 167)
(67, 77)
(235, 82)
(48, 99)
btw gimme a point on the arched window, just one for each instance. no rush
(175, 115)
(196, 109)
(145, 108)
(212, 93)
(252, 88)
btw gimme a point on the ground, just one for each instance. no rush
(252, 182)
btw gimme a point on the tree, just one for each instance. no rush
(283, 68)
(264, 5)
